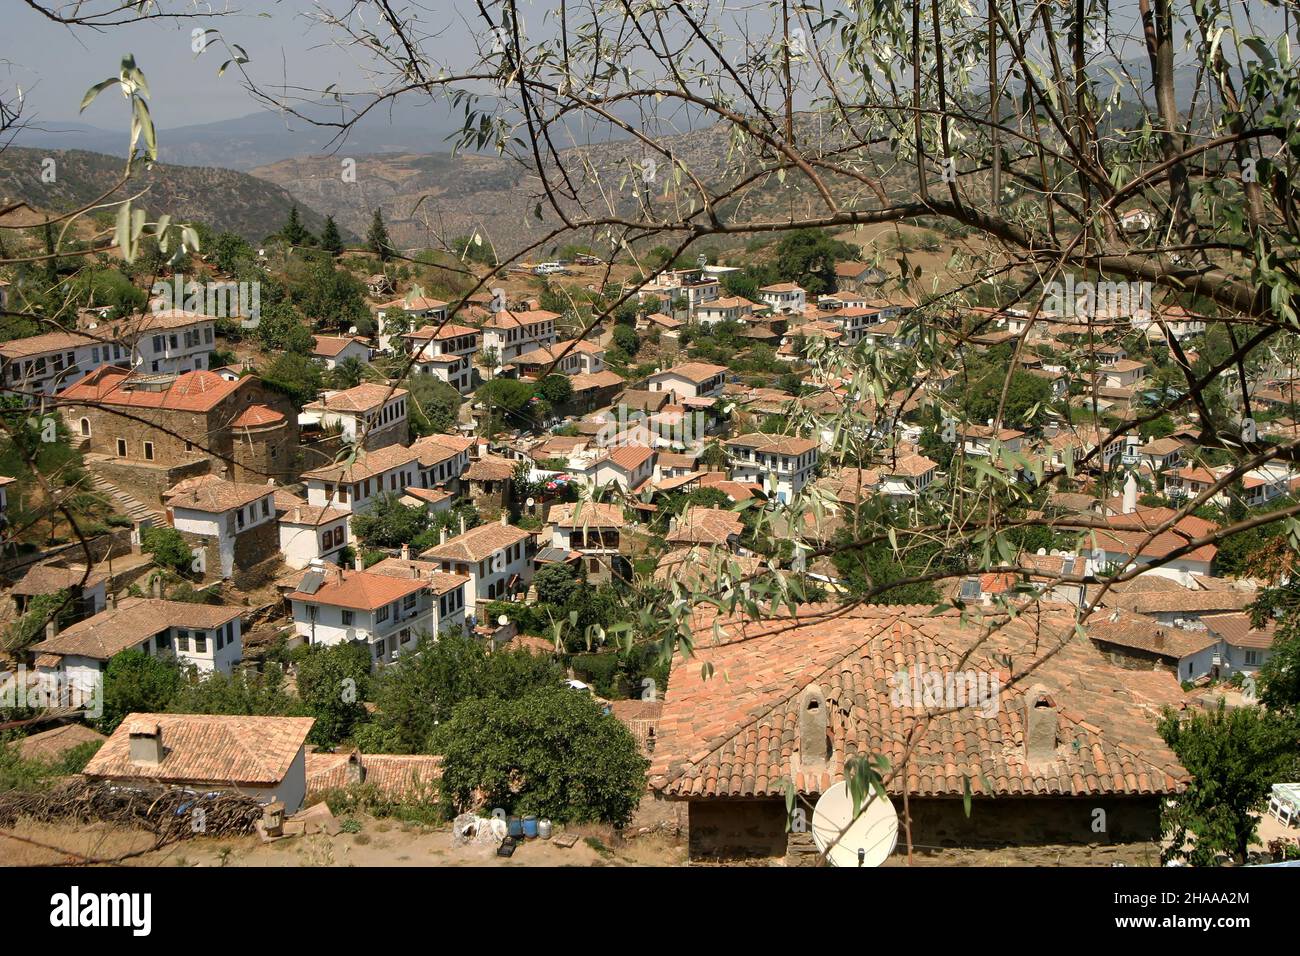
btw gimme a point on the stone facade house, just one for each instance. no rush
(371, 414)
(229, 525)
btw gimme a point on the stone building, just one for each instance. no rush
(147, 432)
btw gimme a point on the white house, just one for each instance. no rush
(732, 308)
(313, 533)
(497, 558)
(592, 528)
(172, 341)
(782, 464)
(689, 380)
(625, 466)
(43, 364)
(206, 636)
(354, 487)
(419, 308)
(443, 459)
(331, 351)
(227, 514)
(511, 334)
(571, 357)
(785, 297)
(445, 351)
(370, 413)
(261, 757)
(387, 610)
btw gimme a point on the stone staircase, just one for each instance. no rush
(130, 505)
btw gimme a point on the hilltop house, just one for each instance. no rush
(415, 308)
(690, 380)
(229, 525)
(511, 334)
(496, 557)
(312, 533)
(782, 464)
(331, 351)
(171, 342)
(445, 351)
(786, 297)
(370, 413)
(204, 636)
(261, 757)
(386, 607)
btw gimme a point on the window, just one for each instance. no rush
(148, 451)
(121, 448)
(183, 640)
(348, 617)
(408, 602)
(266, 507)
(200, 642)
(382, 614)
(160, 641)
(239, 518)
(1252, 657)
(85, 427)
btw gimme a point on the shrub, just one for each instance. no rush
(551, 752)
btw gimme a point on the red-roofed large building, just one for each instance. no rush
(43, 364)
(164, 422)
(496, 557)
(445, 351)
(782, 464)
(689, 380)
(170, 341)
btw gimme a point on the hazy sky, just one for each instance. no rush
(55, 65)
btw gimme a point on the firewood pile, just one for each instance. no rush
(170, 813)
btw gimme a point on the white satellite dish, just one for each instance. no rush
(866, 841)
(503, 620)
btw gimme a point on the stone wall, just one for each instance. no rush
(257, 556)
(999, 832)
(146, 481)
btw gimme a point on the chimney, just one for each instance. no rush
(51, 628)
(358, 563)
(406, 551)
(297, 515)
(1040, 726)
(442, 535)
(156, 585)
(110, 601)
(355, 772)
(814, 747)
(462, 524)
(146, 746)
(1160, 637)
(505, 519)
(1130, 494)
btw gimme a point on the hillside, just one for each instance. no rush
(224, 199)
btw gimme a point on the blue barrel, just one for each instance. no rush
(515, 827)
(530, 827)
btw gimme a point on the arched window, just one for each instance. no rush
(85, 427)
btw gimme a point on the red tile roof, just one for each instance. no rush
(198, 391)
(207, 748)
(360, 590)
(734, 733)
(257, 416)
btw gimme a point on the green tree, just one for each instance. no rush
(434, 405)
(377, 238)
(1234, 757)
(295, 376)
(625, 338)
(556, 584)
(332, 682)
(294, 232)
(331, 297)
(809, 256)
(330, 239)
(168, 548)
(388, 523)
(247, 693)
(136, 682)
(281, 329)
(551, 752)
(556, 389)
(1024, 393)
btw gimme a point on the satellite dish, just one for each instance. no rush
(529, 503)
(867, 841)
(503, 620)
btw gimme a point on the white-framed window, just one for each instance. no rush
(148, 451)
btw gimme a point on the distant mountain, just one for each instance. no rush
(224, 199)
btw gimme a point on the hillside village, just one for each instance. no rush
(253, 540)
